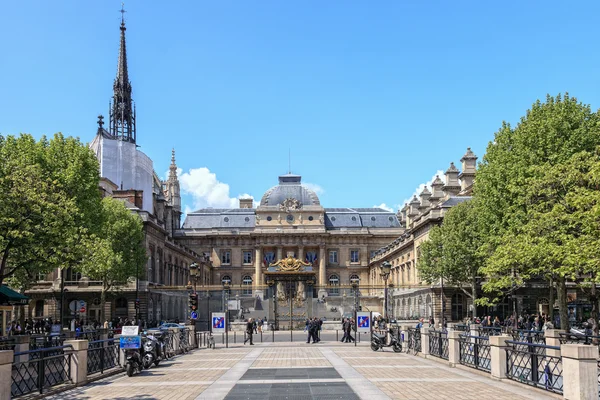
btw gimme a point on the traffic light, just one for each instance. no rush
(137, 304)
(193, 301)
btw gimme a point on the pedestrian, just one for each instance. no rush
(309, 327)
(255, 326)
(344, 330)
(249, 331)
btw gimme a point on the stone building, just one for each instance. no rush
(334, 243)
(128, 174)
(410, 298)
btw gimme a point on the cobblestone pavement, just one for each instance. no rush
(301, 371)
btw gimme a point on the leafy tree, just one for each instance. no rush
(452, 251)
(38, 217)
(117, 253)
(516, 162)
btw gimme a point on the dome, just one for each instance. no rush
(290, 187)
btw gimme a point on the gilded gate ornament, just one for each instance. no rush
(289, 264)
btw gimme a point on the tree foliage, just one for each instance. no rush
(117, 253)
(48, 199)
(452, 251)
(527, 192)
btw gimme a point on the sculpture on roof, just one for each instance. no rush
(290, 204)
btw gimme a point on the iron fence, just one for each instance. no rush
(461, 327)
(7, 344)
(438, 344)
(486, 331)
(102, 355)
(50, 367)
(523, 335)
(475, 352)
(575, 338)
(414, 340)
(528, 363)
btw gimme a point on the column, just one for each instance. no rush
(580, 371)
(300, 253)
(78, 361)
(258, 279)
(6, 361)
(279, 253)
(425, 340)
(453, 347)
(498, 355)
(322, 272)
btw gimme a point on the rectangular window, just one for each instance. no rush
(354, 256)
(333, 256)
(226, 257)
(247, 257)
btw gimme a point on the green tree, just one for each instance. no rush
(452, 251)
(38, 218)
(117, 253)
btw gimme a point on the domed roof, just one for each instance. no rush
(290, 187)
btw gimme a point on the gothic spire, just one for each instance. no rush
(173, 167)
(122, 112)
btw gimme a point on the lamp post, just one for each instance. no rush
(354, 282)
(226, 285)
(385, 273)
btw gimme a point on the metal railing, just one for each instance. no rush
(575, 338)
(7, 344)
(50, 367)
(43, 342)
(102, 355)
(414, 340)
(486, 331)
(523, 335)
(475, 352)
(528, 363)
(438, 344)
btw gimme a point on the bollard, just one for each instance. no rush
(498, 355)
(6, 361)
(261, 336)
(425, 340)
(580, 371)
(453, 347)
(234, 337)
(78, 361)
(273, 336)
(337, 339)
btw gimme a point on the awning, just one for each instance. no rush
(10, 297)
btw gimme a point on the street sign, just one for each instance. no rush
(218, 322)
(194, 315)
(363, 319)
(82, 309)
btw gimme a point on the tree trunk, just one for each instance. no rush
(102, 301)
(551, 300)
(474, 296)
(561, 292)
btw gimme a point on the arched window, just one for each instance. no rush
(354, 278)
(226, 280)
(247, 285)
(429, 311)
(334, 281)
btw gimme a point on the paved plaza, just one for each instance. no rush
(327, 370)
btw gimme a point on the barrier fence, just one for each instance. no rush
(102, 355)
(50, 367)
(438, 344)
(528, 363)
(475, 352)
(414, 340)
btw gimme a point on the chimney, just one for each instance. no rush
(425, 204)
(467, 176)
(452, 187)
(246, 203)
(437, 188)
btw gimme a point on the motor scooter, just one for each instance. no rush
(150, 355)
(380, 341)
(133, 361)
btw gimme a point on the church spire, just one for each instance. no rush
(122, 110)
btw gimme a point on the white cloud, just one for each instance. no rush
(314, 187)
(206, 190)
(385, 207)
(420, 188)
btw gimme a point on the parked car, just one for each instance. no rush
(168, 325)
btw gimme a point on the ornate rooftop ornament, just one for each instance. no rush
(290, 204)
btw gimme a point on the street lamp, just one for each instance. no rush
(386, 266)
(226, 285)
(354, 282)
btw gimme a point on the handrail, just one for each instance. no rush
(44, 350)
(545, 346)
(475, 337)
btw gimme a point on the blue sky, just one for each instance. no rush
(372, 97)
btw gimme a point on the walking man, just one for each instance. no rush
(249, 331)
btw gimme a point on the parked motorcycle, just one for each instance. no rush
(133, 361)
(380, 341)
(150, 347)
(160, 336)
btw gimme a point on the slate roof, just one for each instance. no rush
(452, 201)
(290, 186)
(335, 218)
